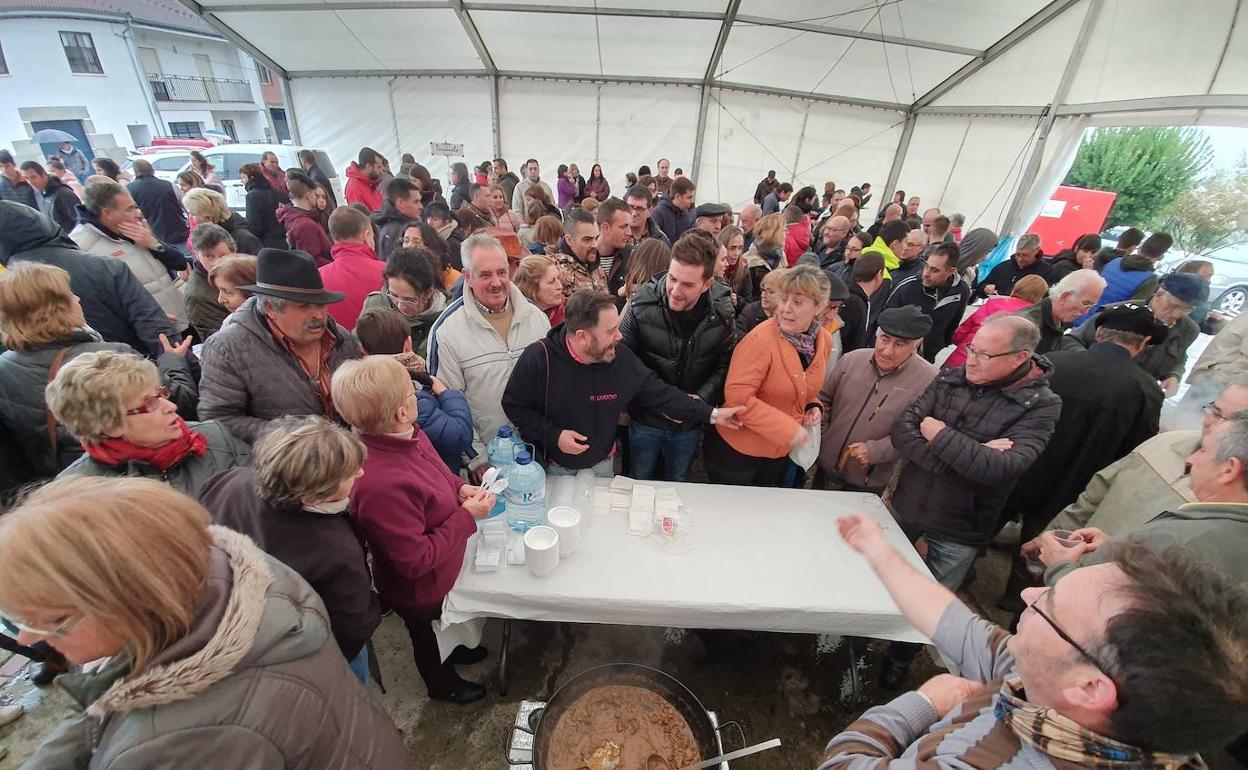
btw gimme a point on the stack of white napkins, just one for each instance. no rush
(641, 510)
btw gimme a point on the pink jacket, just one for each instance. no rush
(966, 331)
(357, 271)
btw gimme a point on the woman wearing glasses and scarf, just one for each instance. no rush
(412, 289)
(114, 404)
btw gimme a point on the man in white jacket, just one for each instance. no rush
(474, 344)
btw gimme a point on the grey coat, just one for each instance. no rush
(249, 378)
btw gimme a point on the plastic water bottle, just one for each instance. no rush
(501, 453)
(525, 493)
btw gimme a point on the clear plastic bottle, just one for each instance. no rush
(525, 493)
(501, 453)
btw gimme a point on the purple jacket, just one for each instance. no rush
(567, 192)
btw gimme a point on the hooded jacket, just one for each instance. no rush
(61, 203)
(361, 189)
(954, 486)
(943, 304)
(244, 239)
(550, 391)
(304, 232)
(161, 207)
(114, 302)
(262, 202)
(356, 271)
(693, 358)
(256, 683)
(249, 378)
(671, 220)
(891, 261)
(389, 224)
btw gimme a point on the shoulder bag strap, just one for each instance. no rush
(51, 420)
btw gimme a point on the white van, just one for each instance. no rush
(227, 159)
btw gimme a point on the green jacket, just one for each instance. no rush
(891, 261)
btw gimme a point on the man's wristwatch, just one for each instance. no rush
(714, 414)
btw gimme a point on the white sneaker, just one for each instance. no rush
(10, 714)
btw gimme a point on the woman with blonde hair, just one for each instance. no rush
(537, 278)
(115, 405)
(415, 514)
(43, 328)
(209, 206)
(230, 273)
(776, 373)
(767, 251)
(500, 213)
(292, 503)
(213, 654)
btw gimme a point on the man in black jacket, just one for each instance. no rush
(58, 201)
(858, 314)
(967, 440)
(113, 301)
(567, 391)
(160, 206)
(1026, 261)
(940, 293)
(401, 208)
(680, 325)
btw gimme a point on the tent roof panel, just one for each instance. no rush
(702, 6)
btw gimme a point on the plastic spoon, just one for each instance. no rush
(733, 755)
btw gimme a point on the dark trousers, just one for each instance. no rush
(440, 678)
(725, 465)
(34, 653)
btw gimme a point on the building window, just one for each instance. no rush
(80, 51)
(187, 130)
(266, 77)
(4, 66)
(227, 125)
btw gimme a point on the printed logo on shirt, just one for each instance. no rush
(603, 397)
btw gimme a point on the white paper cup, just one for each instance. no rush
(565, 520)
(541, 550)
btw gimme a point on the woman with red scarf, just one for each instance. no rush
(116, 406)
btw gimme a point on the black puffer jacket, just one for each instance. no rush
(389, 224)
(262, 202)
(696, 362)
(955, 487)
(244, 239)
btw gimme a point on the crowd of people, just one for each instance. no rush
(290, 408)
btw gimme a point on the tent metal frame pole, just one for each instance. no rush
(899, 157)
(495, 123)
(821, 29)
(288, 101)
(708, 79)
(699, 139)
(801, 140)
(1090, 16)
(235, 38)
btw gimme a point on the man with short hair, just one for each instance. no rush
(674, 213)
(892, 213)
(938, 291)
(680, 325)
(475, 342)
(1128, 242)
(929, 219)
(1172, 304)
(160, 205)
(709, 217)
(864, 395)
(1134, 276)
(765, 187)
(1024, 261)
(532, 176)
(363, 179)
(888, 244)
(776, 198)
(912, 206)
(910, 258)
(663, 182)
(1136, 662)
(568, 390)
(307, 161)
(506, 179)
(866, 276)
(832, 236)
(750, 214)
(272, 169)
(210, 244)
(355, 271)
(111, 224)
(479, 201)
(1067, 299)
(402, 208)
(278, 355)
(640, 224)
(967, 440)
(577, 261)
(55, 198)
(614, 242)
(938, 233)
(13, 186)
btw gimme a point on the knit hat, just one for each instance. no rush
(1188, 288)
(906, 322)
(975, 246)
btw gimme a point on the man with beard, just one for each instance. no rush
(578, 254)
(532, 176)
(939, 292)
(568, 390)
(363, 179)
(279, 354)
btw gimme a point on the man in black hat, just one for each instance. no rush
(939, 292)
(709, 217)
(1109, 407)
(862, 398)
(276, 354)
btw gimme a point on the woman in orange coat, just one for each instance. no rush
(776, 372)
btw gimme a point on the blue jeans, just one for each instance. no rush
(675, 447)
(359, 666)
(603, 470)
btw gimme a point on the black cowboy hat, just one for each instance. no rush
(290, 274)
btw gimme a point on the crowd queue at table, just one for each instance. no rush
(258, 433)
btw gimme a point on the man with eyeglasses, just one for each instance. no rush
(640, 226)
(1109, 407)
(1133, 663)
(1068, 299)
(967, 440)
(939, 291)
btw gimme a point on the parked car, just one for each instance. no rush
(1228, 289)
(166, 163)
(227, 159)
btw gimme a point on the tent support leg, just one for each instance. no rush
(700, 136)
(899, 157)
(801, 139)
(494, 121)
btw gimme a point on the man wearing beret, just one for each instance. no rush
(862, 398)
(709, 217)
(1109, 407)
(1171, 304)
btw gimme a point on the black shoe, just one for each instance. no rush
(893, 674)
(43, 672)
(468, 692)
(463, 656)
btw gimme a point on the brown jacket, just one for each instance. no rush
(861, 404)
(258, 683)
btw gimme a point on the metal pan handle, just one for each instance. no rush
(508, 744)
(740, 732)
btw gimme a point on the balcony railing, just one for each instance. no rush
(186, 88)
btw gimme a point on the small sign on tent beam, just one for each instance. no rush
(446, 149)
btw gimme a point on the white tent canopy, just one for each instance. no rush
(973, 105)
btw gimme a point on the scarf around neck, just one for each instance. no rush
(117, 451)
(1060, 737)
(803, 341)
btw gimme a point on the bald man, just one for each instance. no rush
(832, 237)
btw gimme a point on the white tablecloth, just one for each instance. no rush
(759, 559)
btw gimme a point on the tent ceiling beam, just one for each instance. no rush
(708, 78)
(899, 157)
(1009, 111)
(1159, 103)
(234, 37)
(589, 10)
(996, 50)
(470, 29)
(821, 29)
(380, 5)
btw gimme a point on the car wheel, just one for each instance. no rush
(1233, 300)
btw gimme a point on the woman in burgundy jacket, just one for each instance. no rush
(416, 515)
(301, 219)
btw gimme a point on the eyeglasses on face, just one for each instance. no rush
(151, 403)
(1213, 411)
(60, 630)
(971, 352)
(399, 299)
(1065, 637)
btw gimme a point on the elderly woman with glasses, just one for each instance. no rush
(115, 405)
(412, 288)
(211, 653)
